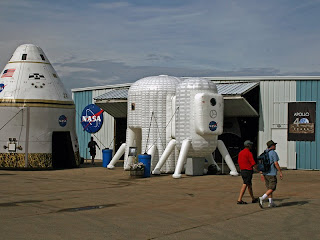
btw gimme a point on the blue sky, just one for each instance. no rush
(94, 43)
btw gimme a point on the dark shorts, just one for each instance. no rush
(247, 176)
(92, 152)
(271, 182)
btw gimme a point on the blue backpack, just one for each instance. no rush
(264, 161)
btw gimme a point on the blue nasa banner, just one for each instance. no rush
(92, 118)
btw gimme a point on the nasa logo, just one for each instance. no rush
(92, 118)
(213, 126)
(63, 120)
(1, 87)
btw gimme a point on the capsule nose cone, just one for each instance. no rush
(30, 53)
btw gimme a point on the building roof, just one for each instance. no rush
(124, 85)
(235, 88)
(114, 101)
(114, 94)
(215, 79)
(228, 89)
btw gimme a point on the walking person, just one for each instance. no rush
(246, 164)
(92, 149)
(270, 177)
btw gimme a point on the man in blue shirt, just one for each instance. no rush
(270, 177)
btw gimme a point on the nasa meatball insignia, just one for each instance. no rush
(213, 126)
(2, 87)
(92, 118)
(63, 120)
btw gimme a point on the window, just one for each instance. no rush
(24, 56)
(42, 57)
(213, 101)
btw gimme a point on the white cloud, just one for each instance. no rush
(104, 81)
(221, 35)
(67, 71)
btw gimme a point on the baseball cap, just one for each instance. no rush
(247, 143)
(270, 143)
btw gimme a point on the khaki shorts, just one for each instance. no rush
(271, 182)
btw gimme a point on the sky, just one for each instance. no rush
(95, 43)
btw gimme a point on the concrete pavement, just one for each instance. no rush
(97, 203)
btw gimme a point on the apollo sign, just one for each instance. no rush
(301, 121)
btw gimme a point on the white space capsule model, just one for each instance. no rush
(37, 121)
(173, 120)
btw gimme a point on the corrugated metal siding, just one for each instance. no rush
(235, 88)
(273, 110)
(224, 89)
(104, 137)
(308, 153)
(81, 100)
(114, 94)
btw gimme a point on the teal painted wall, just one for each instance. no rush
(81, 100)
(308, 153)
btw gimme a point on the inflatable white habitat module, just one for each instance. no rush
(37, 122)
(172, 120)
(149, 111)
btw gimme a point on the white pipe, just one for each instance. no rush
(152, 151)
(182, 157)
(226, 156)
(164, 156)
(211, 161)
(117, 156)
(128, 160)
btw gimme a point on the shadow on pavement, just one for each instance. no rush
(297, 203)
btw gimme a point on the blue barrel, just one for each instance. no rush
(146, 160)
(106, 157)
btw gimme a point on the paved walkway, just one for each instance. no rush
(97, 203)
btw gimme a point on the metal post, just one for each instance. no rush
(222, 165)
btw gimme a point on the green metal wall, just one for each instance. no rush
(81, 100)
(308, 153)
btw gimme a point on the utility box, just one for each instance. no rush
(195, 166)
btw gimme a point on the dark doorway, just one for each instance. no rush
(239, 129)
(120, 133)
(62, 151)
(247, 129)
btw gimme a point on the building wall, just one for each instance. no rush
(274, 97)
(104, 136)
(273, 121)
(81, 100)
(308, 153)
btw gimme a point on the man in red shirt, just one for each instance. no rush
(246, 164)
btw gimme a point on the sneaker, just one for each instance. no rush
(255, 200)
(261, 202)
(271, 205)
